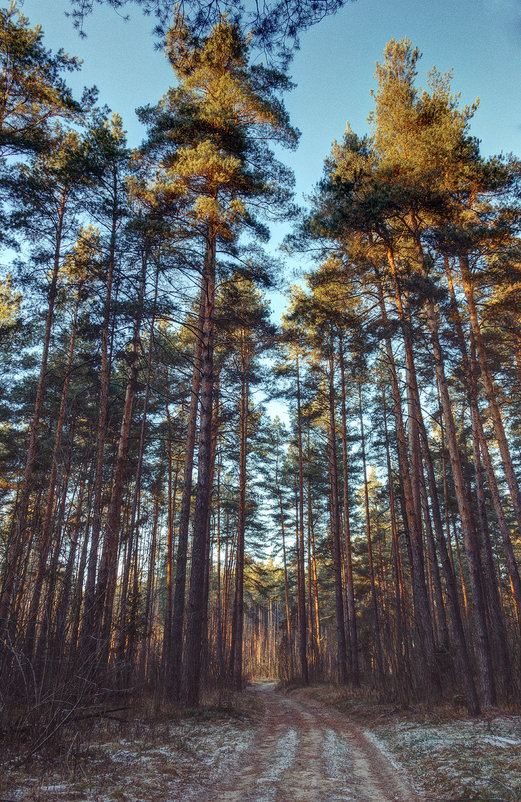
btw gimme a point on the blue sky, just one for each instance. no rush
(334, 69)
(480, 41)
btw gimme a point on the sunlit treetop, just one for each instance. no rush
(419, 132)
(33, 92)
(10, 305)
(209, 138)
(420, 157)
(215, 74)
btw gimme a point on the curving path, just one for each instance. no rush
(304, 752)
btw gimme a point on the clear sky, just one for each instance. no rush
(479, 39)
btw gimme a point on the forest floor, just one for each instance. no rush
(319, 744)
(447, 756)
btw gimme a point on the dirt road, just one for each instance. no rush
(304, 752)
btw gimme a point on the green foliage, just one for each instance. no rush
(32, 88)
(10, 303)
(208, 138)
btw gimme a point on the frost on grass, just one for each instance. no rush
(267, 782)
(157, 764)
(336, 755)
(465, 759)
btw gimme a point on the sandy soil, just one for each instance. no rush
(305, 752)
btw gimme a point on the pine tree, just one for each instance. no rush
(211, 160)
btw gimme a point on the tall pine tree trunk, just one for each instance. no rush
(467, 524)
(480, 445)
(195, 611)
(238, 605)
(300, 535)
(88, 640)
(380, 673)
(174, 631)
(409, 471)
(106, 586)
(17, 539)
(50, 500)
(350, 590)
(491, 392)
(335, 524)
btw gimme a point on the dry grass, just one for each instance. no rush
(145, 755)
(151, 756)
(450, 756)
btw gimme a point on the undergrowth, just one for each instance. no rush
(141, 753)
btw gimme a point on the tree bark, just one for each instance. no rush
(174, 633)
(350, 590)
(335, 524)
(300, 534)
(195, 612)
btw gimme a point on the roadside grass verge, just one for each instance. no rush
(449, 756)
(140, 756)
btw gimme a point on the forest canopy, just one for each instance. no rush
(161, 533)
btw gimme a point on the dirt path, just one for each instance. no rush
(304, 752)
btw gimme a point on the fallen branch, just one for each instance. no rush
(102, 714)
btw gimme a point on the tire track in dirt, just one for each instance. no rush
(367, 772)
(304, 752)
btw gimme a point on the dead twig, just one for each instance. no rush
(103, 714)
(494, 779)
(70, 749)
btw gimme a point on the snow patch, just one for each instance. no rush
(495, 740)
(284, 755)
(465, 756)
(336, 755)
(55, 788)
(338, 765)
(383, 749)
